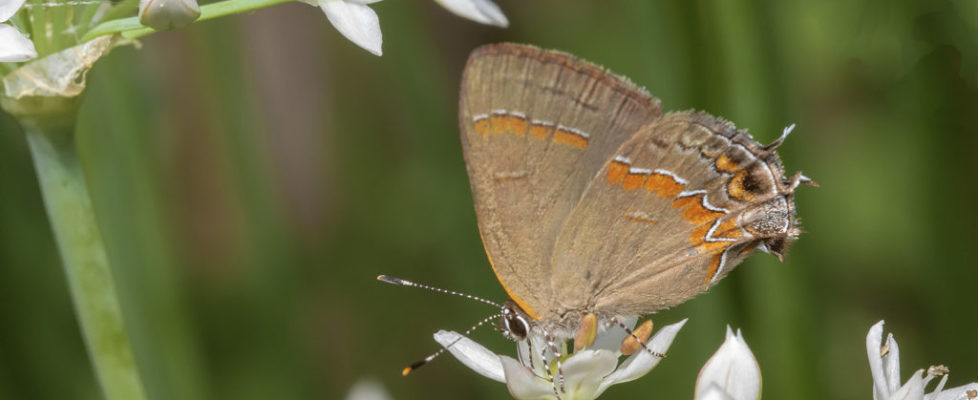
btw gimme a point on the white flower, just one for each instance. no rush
(586, 374)
(358, 22)
(884, 362)
(731, 373)
(168, 14)
(368, 389)
(14, 46)
(481, 11)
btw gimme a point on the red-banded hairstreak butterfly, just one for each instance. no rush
(595, 206)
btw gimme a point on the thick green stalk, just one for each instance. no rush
(51, 140)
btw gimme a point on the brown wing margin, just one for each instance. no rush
(536, 126)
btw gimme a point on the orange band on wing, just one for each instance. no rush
(665, 185)
(616, 172)
(694, 211)
(714, 266)
(633, 181)
(725, 164)
(571, 138)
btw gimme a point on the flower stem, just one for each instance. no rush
(130, 28)
(72, 218)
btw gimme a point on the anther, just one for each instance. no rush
(587, 333)
(638, 336)
(638, 339)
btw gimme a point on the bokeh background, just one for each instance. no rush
(253, 175)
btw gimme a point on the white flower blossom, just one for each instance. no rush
(14, 46)
(884, 362)
(368, 389)
(731, 373)
(168, 14)
(481, 11)
(585, 374)
(359, 23)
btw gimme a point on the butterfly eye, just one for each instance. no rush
(513, 324)
(516, 326)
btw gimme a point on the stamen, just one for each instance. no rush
(587, 333)
(938, 370)
(634, 342)
(640, 341)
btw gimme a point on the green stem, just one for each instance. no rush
(130, 28)
(72, 218)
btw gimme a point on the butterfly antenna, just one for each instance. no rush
(403, 282)
(408, 369)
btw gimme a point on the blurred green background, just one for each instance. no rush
(253, 175)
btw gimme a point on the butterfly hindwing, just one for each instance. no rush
(671, 212)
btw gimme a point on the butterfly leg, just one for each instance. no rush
(528, 359)
(559, 382)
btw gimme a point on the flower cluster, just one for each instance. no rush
(354, 19)
(586, 374)
(732, 373)
(884, 362)
(359, 23)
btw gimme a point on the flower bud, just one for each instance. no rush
(168, 14)
(732, 372)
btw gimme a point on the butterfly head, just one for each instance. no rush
(513, 322)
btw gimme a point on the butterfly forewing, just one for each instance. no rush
(536, 127)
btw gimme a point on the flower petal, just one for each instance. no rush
(940, 385)
(356, 22)
(733, 369)
(168, 14)
(523, 383)
(642, 362)
(612, 336)
(472, 354)
(481, 11)
(912, 390)
(874, 343)
(14, 46)
(584, 372)
(957, 393)
(891, 363)
(368, 389)
(713, 392)
(8, 8)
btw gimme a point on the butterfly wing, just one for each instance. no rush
(536, 126)
(676, 208)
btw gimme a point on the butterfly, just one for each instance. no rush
(594, 205)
